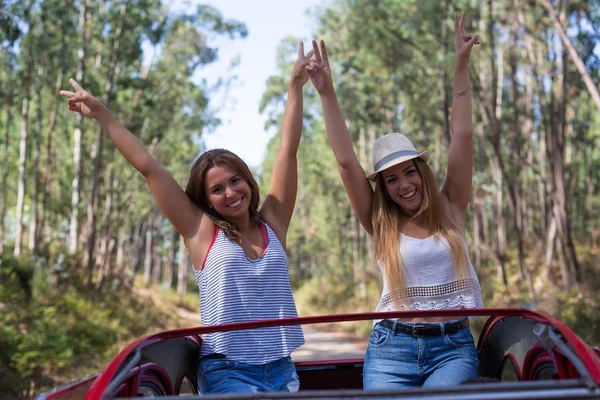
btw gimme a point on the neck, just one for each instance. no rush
(243, 224)
(420, 220)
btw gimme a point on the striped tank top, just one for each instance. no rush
(233, 288)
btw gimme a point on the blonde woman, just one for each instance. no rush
(418, 236)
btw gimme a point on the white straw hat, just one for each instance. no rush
(392, 149)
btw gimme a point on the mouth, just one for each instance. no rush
(236, 203)
(409, 195)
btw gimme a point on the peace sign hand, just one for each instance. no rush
(464, 42)
(319, 69)
(83, 102)
(299, 74)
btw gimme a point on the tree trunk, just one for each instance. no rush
(444, 103)
(514, 180)
(77, 133)
(107, 266)
(500, 243)
(33, 219)
(579, 64)
(476, 232)
(120, 258)
(355, 271)
(21, 181)
(496, 67)
(134, 259)
(148, 255)
(556, 149)
(23, 139)
(157, 263)
(168, 280)
(47, 175)
(92, 209)
(550, 242)
(4, 181)
(593, 225)
(103, 252)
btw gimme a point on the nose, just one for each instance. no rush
(228, 191)
(404, 185)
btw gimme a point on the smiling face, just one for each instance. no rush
(227, 192)
(404, 185)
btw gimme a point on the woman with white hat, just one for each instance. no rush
(408, 211)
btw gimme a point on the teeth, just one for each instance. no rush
(237, 203)
(409, 195)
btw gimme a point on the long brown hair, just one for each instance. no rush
(196, 188)
(388, 219)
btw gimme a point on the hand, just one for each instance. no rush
(83, 102)
(319, 69)
(299, 74)
(464, 42)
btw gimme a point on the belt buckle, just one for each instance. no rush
(415, 328)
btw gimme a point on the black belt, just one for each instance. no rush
(420, 330)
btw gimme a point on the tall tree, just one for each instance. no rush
(27, 72)
(84, 21)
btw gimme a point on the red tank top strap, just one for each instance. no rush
(212, 242)
(265, 237)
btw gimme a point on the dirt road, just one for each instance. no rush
(329, 346)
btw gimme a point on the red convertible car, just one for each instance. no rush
(523, 355)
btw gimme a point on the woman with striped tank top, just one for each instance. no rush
(237, 250)
(418, 237)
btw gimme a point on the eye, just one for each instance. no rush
(391, 180)
(217, 190)
(235, 180)
(411, 171)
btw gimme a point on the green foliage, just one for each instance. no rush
(579, 311)
(63, 327)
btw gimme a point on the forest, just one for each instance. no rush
(79, 228)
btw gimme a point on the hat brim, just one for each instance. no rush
(424, 156)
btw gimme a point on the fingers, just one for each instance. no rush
(316, 50)
(75, 85)
(317, 68)
(66, 93)
(461, 23)
(455, 22)
(309, 54)
(300, 49)
(324, 51)
(473, 40)
(76, 99)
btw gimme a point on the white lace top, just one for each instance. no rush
(431, 281)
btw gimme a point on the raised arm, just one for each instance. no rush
(172, 200)
(279, 203)
(353, 175)
(457, 187)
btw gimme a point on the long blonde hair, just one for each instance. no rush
(388, 219)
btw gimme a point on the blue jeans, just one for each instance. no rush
(398, 360)
(222, 375)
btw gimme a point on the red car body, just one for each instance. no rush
(523, 354)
